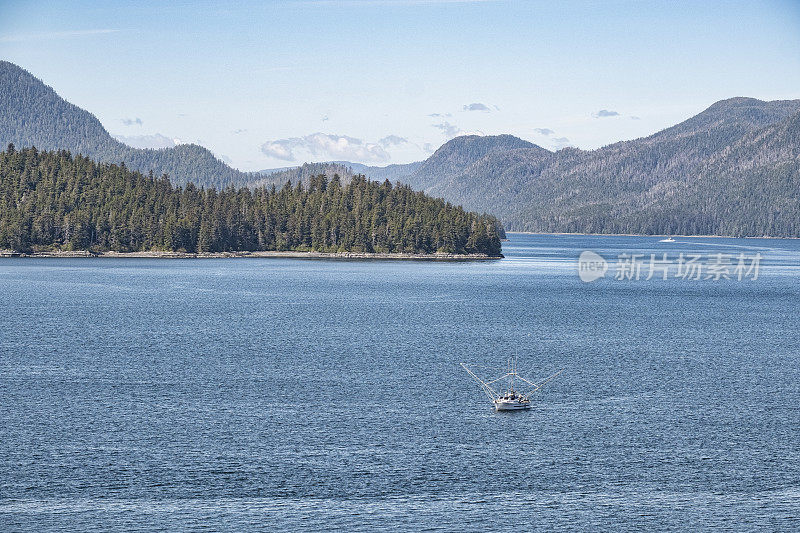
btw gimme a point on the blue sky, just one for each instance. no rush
(276, 83)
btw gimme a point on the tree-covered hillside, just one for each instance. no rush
(731, 170)
(457, 155)
(32, 114)
(434, 174)
(708, 175)
(728, 170)
(396, 172)
(304, 174)
(345, 169)
(53, 200)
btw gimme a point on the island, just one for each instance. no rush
(55, 204)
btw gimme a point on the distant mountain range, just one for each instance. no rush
(32, 114)
(733, 169)
(445, 164)
(345, 170)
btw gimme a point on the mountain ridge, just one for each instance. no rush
(652, 184)
(61, 125)
(647, 185)
(656, 179)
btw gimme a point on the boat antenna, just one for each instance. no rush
(513, 373)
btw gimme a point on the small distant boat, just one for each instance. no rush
(510, 399)
(668, 239)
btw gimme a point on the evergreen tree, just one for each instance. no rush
(52, 200)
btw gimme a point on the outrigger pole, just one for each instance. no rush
(490, 392)
(537, 386)
(493, 394)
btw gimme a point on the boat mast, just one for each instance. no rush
(513, 372)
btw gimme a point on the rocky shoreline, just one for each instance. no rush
(217, 255)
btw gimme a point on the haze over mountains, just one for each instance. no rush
(733, 169)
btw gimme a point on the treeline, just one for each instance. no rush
(54, 200)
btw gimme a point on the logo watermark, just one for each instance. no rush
(591, 266)
(633, 266)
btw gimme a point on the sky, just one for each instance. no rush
(276, 83)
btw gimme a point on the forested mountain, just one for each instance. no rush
(456, 156)
(692, 178)
(728, 170)
(449, 161)
(304, 174)
(32, 114)
(731, 170)
(397, 172)
(54, 200)
(345, 170)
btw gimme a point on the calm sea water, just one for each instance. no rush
(312, 394)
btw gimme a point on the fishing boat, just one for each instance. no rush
(668, 239)
(509, 398)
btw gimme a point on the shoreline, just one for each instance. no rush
(76, 254)
(644, 235)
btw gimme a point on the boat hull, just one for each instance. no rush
(512, 405)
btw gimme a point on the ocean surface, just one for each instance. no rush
(291, 394)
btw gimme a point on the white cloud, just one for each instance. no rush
(326, 146)
(178, 141)
(556, 143)
(603, 113)
(477, 107)
(155, 141)
(392, 140)
(560, 142)
(279, 150)
(449, 130)
(132, 121)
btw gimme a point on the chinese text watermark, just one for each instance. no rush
(689, 266)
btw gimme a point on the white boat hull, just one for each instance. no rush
(509, 399)
(511, 405)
